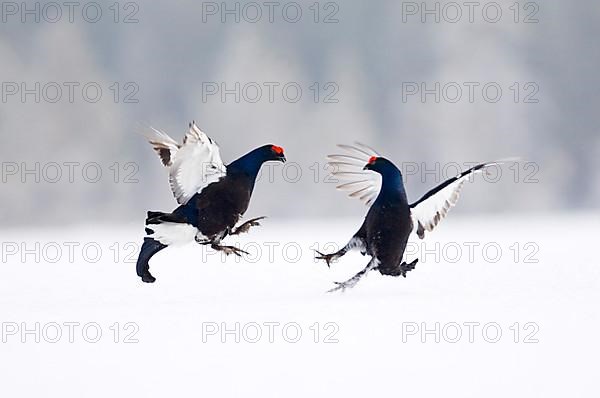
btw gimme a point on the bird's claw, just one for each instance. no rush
(230, 250)
(245, 227)
(342, 286)
(238, 252)
(327, 257)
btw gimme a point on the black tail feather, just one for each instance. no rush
(149, 249)
(157, 217)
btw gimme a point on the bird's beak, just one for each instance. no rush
(367, 166)
(282, 158)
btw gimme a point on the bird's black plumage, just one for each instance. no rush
(388, 222)
(210, 214)
(149, 248)
(391, 219)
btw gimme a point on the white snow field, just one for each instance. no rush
(518, 318)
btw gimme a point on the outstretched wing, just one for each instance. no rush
(165, 146)
(193, 165)
(347, 168)
(428, 211)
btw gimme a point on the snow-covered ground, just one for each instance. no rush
(535, 280)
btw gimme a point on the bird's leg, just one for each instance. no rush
(246, 226)
(355, 243)
(399, 269)
(354, 280)
(228, 249)
(332, 256)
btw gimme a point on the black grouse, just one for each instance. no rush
(390, 219)
(212, 196)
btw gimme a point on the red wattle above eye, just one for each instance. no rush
(277, 149)
(372, 159)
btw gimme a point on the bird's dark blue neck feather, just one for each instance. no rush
(392, 186)
(249, 164)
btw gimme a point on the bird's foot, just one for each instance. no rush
(229, 250)
(329, 258)
(404, 267)
(350, 283)
(354, 280)
(245, 227)
(400, 269)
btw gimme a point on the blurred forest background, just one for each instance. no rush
(157, 70)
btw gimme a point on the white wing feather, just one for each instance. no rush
(428, 211)
(165, 146)
(193, 165)
(347, 168)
